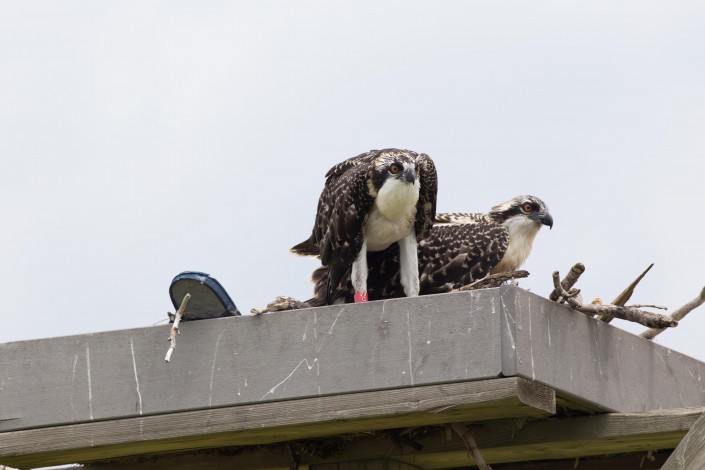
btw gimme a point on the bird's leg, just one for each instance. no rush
(409, 261)
(359, 274)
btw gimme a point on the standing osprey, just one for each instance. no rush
(378, 199)
(460, 249)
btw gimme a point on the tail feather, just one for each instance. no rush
(335, 274)
(306, 248)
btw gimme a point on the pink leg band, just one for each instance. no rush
(360, 297)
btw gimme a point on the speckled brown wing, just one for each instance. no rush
(428, 189)
(459, 218)
(351, 202)
(338, 231)
(338, 169)
(345, 183)
(459, 254)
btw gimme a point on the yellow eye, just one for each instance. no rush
(527, 207)
(394, 168)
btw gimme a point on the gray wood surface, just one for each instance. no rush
(334, 351)
(690, 453)
(501, 441)
(263, 423)
(592, 362)
(232, 361)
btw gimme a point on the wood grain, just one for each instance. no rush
(247, 360)
(501, 441)
(690, 453)
(275, 422)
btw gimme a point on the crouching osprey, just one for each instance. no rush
(369, 203)
(460, 249)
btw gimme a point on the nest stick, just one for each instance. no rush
(175, 326)
(626, 294)
(677, 315)
(652, 320)
(568, 282)
(469, 440)
(494, 280)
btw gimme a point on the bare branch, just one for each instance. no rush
(626, 294)
(652, 320)
(175, 326)
(493, 280)
(677, 315)
(570, 279)
(464, 432)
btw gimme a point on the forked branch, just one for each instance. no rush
(652, 320)
(568, 282)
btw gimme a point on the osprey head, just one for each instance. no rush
(522, 217)
(523, 208)
(393, 165)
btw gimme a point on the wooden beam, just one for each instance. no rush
(377, 464)
(591, 362)
(633, 461)
(273, 378)
(276, 421)
(613, 433)
(690, 453)
(251, 359)
(389, 344)
(501, 442)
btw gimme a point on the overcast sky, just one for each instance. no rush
(142, 139)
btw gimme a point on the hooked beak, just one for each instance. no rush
(410, 175)
(546, 219)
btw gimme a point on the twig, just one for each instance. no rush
(570, 279)
(626, 294)
(464, 432)
(657, 307)
(652, 320)
(279, 304)
(677, 315)
(175, 326)
(493, 280)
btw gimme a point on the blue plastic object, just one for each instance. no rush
(208, 298)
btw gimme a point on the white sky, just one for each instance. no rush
(141, 139)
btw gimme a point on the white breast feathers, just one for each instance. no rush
(522, 232)
(392, 215)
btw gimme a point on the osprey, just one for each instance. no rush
(461, 248)
(369, 203)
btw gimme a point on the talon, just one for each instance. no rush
(360, 297)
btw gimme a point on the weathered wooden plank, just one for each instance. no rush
(592, 362)
(633, 461)
(342, 349)
(501, 441)
(690, 453)
(256, 424)
(281, 460)
(240, 360)
(560, 438)
(377, 464)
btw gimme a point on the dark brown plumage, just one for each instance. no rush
(460, 249)
(370, 202)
